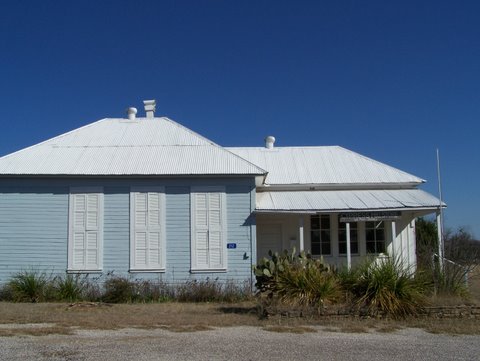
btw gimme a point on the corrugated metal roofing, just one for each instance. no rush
(145, 146)
(322, 165)
(339, 200)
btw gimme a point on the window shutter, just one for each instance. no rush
(215, 230)
(208, 230)
(85, 231)
(147, 245)
(201, 230)
(91, 232)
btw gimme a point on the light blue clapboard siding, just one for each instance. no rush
(33, 230)
(116, 230)
(34, 227)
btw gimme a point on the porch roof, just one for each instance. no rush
(345, 200)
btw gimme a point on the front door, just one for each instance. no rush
(269, 238)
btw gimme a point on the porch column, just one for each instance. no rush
(349, 253)
(301, 237)
(397, 249)
(440, 239)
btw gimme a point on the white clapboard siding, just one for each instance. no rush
(86, 229)
(208, 229)
(147, 244)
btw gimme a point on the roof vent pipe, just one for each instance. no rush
(269, 142)
(131, 112)
(149, 107)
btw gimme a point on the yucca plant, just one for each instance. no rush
(70, 288)
(296, 279)
(29, 286)
(385, 286)
(307, 282)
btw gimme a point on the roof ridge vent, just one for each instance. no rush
(269, 142)
(149, 107)
(131, 113)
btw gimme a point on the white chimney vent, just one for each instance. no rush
(269, 142)
(149, 107)
(132, 113)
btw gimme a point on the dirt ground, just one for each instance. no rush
(240, 343)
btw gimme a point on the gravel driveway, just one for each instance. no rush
(240, 343)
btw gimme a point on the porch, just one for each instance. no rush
(343, 244)
(343, 235)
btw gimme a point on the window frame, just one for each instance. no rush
(194, 267)
(70, 249)
(321, 230)
(163, 243)
(375, 241)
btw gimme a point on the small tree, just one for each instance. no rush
(461, 256)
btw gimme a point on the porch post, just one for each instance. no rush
(300, 230)
(395, 246)
(440, 239)
(349, 253)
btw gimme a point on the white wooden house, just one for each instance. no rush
(149, 198)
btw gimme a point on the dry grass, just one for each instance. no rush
(106, 316)
(290, 329)
(184, 317)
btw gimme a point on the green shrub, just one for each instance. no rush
(29, 286)
(119, 290)
(6, 293)
(296, 279)
(384, 286)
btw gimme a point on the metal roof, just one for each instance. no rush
(144, 146)
(328, 165)
(340, 200)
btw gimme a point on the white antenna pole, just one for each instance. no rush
(440, 216)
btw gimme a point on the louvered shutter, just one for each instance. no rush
(147, 245)
(140, 230)
(201, 230)
(154, 231)
(208, 230)
(215, 230)
(91, 232)
(85, 236)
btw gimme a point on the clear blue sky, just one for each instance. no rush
(392, 80)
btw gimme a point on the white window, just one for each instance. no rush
(147, 229)
(85, 234)
(208, 217)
